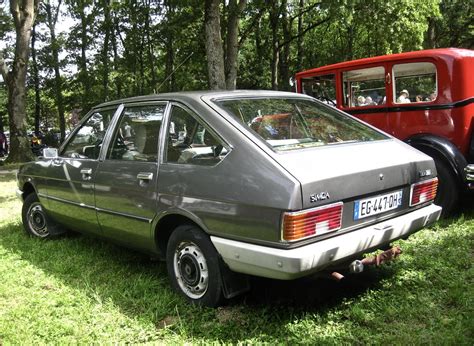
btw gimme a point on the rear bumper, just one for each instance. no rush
(293, 263)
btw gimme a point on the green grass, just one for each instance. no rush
(79, 289)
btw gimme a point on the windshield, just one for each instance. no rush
(290, 123)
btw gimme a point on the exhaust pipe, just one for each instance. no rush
(356, 267)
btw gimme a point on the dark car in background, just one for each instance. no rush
(229, 184)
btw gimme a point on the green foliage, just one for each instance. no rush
(455, 26)
(82, 290)
(115, 49)
(6, 23)
(369, 28)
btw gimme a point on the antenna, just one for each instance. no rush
(174, 70)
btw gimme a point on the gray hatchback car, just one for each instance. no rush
(229, 184)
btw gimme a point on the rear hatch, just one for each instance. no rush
(354, 173)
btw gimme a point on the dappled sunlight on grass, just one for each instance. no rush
(80, 289)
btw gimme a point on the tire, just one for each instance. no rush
(448, 190)
(193, 266)
(35, 220)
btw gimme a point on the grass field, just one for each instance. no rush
(79, 289)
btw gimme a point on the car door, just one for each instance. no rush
(125, 183)
(70, 180)
(192, 178)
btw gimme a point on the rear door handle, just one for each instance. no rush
(86, 173)
(145, 176)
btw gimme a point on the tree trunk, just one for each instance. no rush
(2, 128)
(36, 81)
(274, 19)
(52, 20)
(115, 33)
(84, 75)
(24, 13)
(150, 49)
(260, 50)
(105, 51)
(171, 84)
(299, 41)
(232, 46)
(430, 40)
(213, 43)
(285, 53)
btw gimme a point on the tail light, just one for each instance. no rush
(423, 191)
(311, 222)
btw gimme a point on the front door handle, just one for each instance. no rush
(145, 176)
(57, 162)
(86, 173)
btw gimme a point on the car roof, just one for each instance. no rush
(445, 53)
(198, 95)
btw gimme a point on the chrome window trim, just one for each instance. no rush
(200, 120)
(82, 121)
(118, 118)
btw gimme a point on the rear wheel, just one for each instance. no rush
(35, 220)
(193, 266)
(448, 191)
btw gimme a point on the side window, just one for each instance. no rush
(136, 136)
(414, 82)
(322, 88)
(189, 142)
(87, 141)
(364, 87)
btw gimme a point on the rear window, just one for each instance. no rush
(289, 124)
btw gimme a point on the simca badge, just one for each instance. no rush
(319, 196)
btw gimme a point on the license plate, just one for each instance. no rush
(376, 205)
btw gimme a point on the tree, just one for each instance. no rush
(222, 70)
(79, 44)
(52, 19)
(23, 13)
(214, 51)
(36, 80)
(454, 27)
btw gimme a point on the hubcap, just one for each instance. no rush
(191, 270)
(37, 220)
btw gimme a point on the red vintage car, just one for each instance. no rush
(425, 98)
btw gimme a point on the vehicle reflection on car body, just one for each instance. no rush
(228, 184)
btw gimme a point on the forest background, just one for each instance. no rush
(80, 53)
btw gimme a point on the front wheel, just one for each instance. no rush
(35, 220)
(193, 266)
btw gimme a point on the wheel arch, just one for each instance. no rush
(27, 189)
(166, 223)
(443, 149)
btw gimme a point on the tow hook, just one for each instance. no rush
(357, 266)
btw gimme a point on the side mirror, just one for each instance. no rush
(50, 153)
